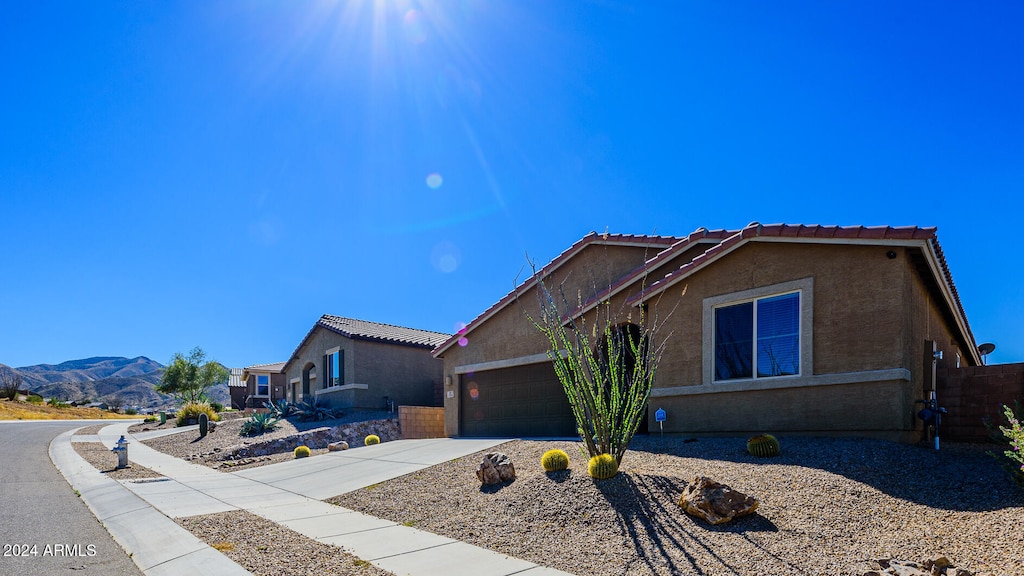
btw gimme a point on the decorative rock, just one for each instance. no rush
(336, 446)
(937, 566)
(715, 502)
(496, 468)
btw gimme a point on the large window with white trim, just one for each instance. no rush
(758, 338)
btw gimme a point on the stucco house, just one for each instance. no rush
(780, 328)
(349, 363)
(260, 384)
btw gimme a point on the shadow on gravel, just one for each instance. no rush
(648, 514)
(494, 488)
(959, 477)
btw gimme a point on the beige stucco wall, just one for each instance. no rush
(372, 370)
(509, 335)
(870, 317)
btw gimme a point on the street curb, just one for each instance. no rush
(170, 550)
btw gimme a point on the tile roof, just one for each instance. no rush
(565, 256)
(270, 367)
(365, 330)
(818, 233)
(721, 242)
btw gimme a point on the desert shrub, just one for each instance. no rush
(259, 423)
(371, 440)
(131, 411)
(554, 460)
(763, 445)
(1011, 437)
(302, 452)
(33, 399)
(280, 409)
(602, 467)
(56, 403)
(193, 410)
(313, 411)
(149, 419)
(217, 406)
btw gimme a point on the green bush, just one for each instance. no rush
(372, 439)
(302, 452)
(131, 411)
(192, 410)
(1011, 437)
(149, 419)
(259, 423)
(763, 445)
(602, 467)
(217, 406)
(554, 460)
(33, 399)
(57, 403)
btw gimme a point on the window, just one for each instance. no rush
(262, 384)
(334, 371)
(758, 339)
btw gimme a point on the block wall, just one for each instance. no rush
(421, 422)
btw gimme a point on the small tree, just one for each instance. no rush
(606, 368)
(10, 383)
(188, 378)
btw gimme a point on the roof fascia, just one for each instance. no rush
(926, 244)
(550, 268)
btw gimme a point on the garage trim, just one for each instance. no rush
(506, 363)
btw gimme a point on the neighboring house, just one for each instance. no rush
(236, 388)
(787, 329)
(351, 363)
(263, 383)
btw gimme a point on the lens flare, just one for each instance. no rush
(434, 181)
(463, 341)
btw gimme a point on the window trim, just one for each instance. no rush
(256, 386)
(803, 286)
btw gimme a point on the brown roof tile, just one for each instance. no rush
(365, 330)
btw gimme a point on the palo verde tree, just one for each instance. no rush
(606, 367)
(188, 378)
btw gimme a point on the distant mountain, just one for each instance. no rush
(114, 380)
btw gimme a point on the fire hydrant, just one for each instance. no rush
(121, 449)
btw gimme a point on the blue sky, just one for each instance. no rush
(221, 173)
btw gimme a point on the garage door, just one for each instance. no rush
(520, 401)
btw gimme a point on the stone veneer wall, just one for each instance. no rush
(421, 422)
(354, 433)
(973, 392)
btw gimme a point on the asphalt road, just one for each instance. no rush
(45, 529)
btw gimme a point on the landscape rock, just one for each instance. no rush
(316, 438)
(936, 566)
(496, 468)
(336, 446)
(715, 502)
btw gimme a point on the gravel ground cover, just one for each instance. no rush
(209, 451)
(90, 430)
(826, 506)
(102, 459)
(266, 548)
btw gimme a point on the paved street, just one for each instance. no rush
(41, 515)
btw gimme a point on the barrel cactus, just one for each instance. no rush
(371, 440)
(302, 452)
(204, 424)
(602, 467)
(554, 460)
(763, 445)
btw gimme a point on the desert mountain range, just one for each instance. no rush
(128, 382)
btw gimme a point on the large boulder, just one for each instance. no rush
(496, 468)
(715, 502)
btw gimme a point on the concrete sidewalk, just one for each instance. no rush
(290, 493)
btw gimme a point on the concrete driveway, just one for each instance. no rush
(340, 472)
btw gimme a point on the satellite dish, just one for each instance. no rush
(986, 349)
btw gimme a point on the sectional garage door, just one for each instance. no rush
(519, 401)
